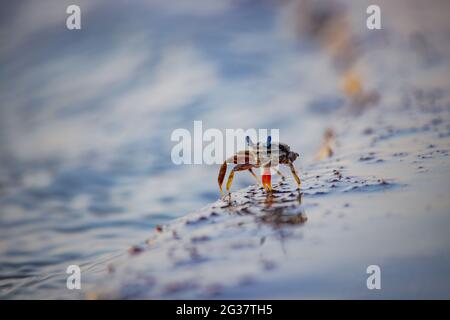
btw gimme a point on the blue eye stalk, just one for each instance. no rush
(247, 139)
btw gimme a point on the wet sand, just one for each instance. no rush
(381, 199)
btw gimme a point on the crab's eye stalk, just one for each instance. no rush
(248, 141)
(269, 145)
(292, 156)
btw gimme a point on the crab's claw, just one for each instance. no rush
(266, 179)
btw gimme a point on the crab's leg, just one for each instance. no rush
(266, 179)
(294, 173)
(280, 174)
(222, 172)
(230, 180)
(255, 176)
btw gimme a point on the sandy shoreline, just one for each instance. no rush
(382, 199)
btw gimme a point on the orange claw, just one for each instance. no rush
(266, 179)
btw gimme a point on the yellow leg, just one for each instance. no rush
(267, 187)
(230, 180)
(222, 172)
(280, 174)
(255, 176)
(294, 173)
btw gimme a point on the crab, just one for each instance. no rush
(265, 156)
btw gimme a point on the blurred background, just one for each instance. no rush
(86, 115)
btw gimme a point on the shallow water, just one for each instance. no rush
(85, 144)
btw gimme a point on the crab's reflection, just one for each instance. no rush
(283, 210)
(282, 206)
